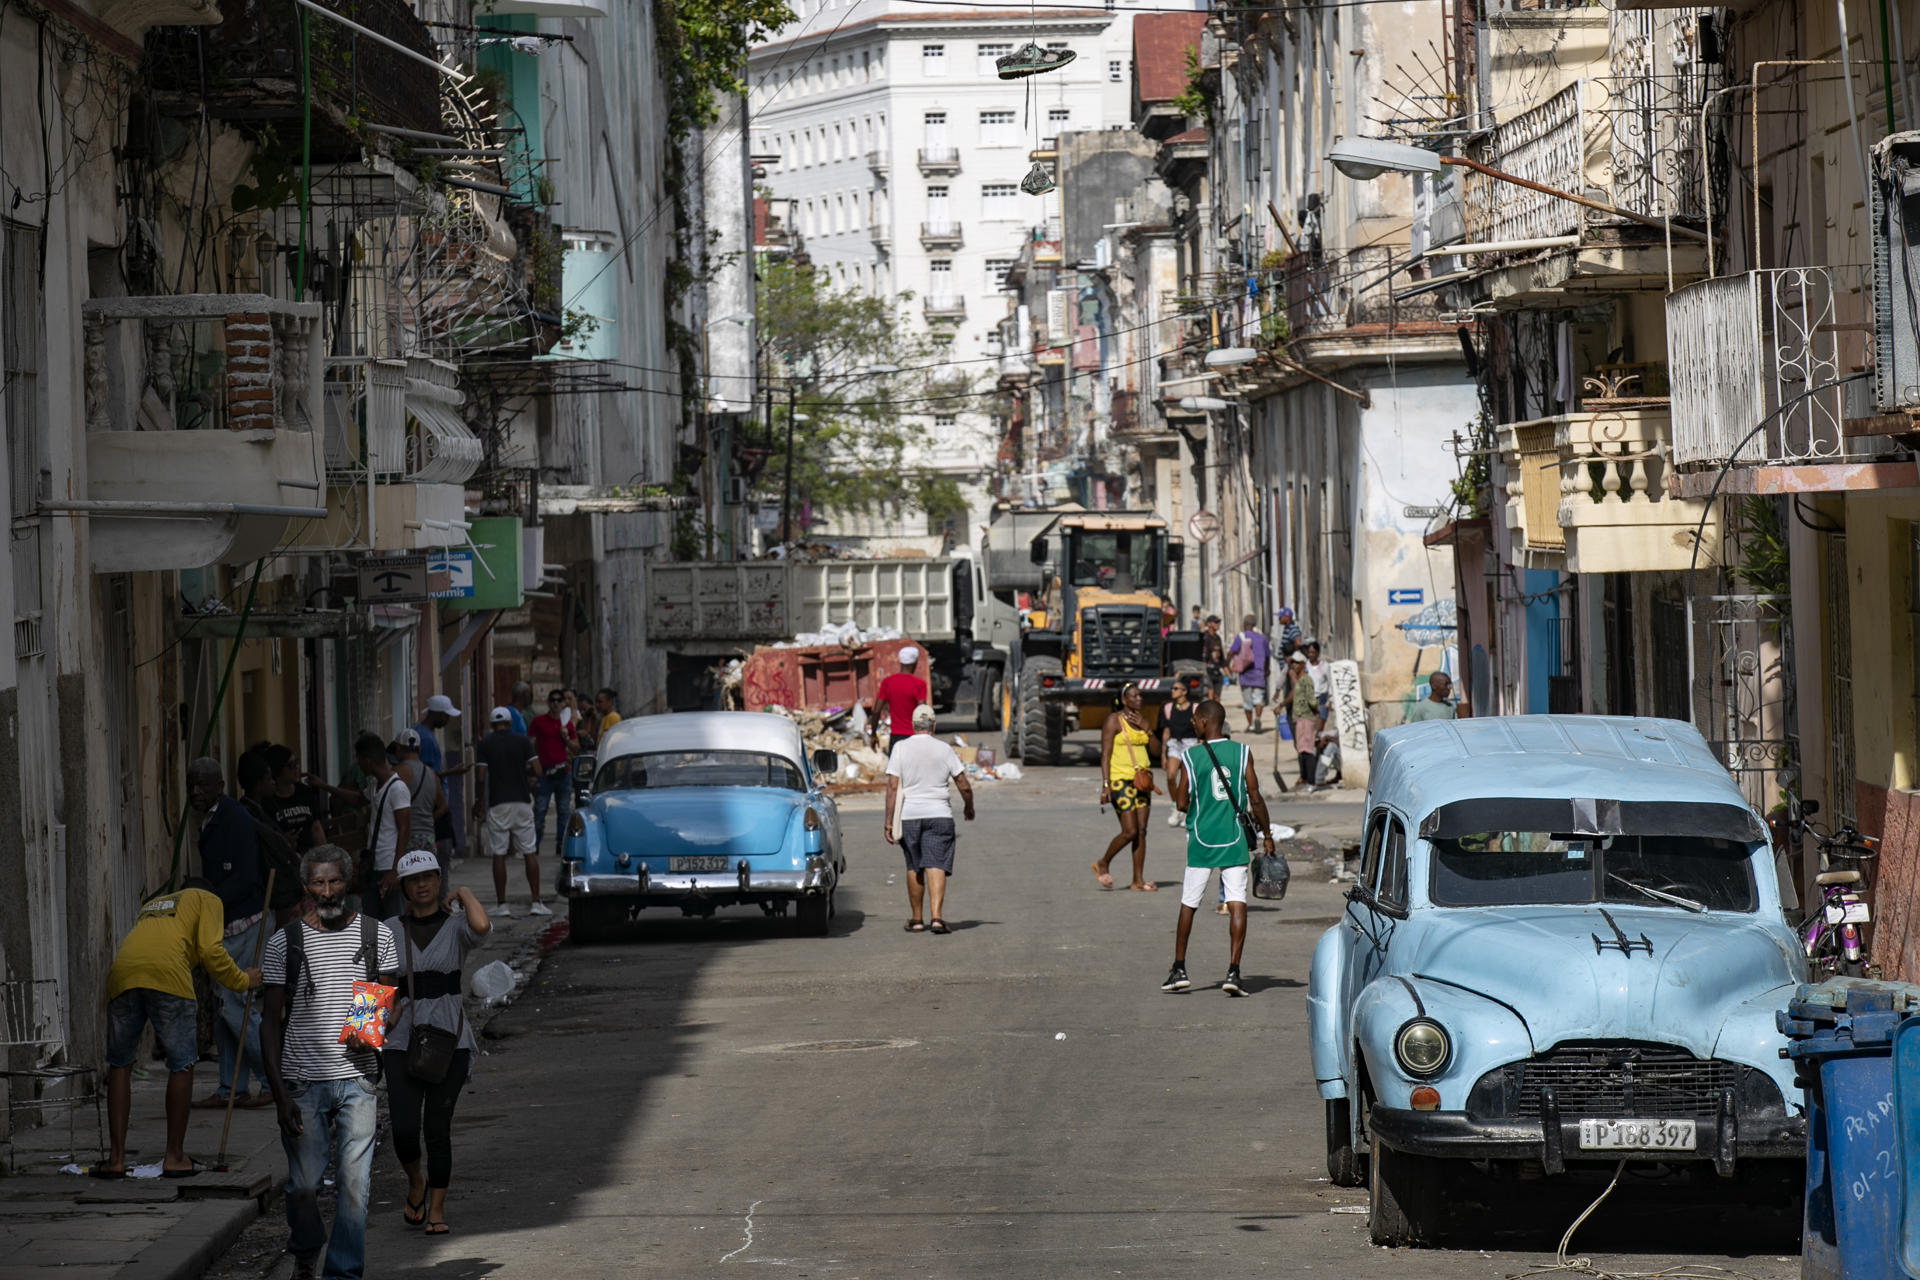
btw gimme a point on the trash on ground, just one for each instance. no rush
(493, 983)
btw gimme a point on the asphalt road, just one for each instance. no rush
(1015, 1099)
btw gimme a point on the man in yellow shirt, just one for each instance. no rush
(151, 981)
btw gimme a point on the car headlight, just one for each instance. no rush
(1422, 1047)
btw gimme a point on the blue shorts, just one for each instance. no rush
(928, 844)
(175, 1022)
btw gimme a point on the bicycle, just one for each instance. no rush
(1831, 935)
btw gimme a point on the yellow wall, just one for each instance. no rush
(1884, 732)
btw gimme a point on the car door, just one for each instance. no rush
(1358, 923)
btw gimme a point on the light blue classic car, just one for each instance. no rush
(701, 811)
(1565, 949)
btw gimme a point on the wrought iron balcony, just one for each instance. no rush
(248, 69)
(941, 235)
(1327, 292)
(1632, 137)
(939, 161)
(946, 306)
(1762, 367)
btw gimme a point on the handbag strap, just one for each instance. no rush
(1133, 748)
(1246, 823)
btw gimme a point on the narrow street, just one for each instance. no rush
(1018, 1098)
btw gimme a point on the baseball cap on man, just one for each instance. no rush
(409, 738)
(442, 703)
(501, 715)
(417, 862)
(923, 717)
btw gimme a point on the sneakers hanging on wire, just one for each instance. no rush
(1031, 60)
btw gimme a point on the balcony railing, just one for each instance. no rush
(879, 163)
(248, 69)
(946, 306)
(1632, 138)
(1333, 290)
(1616, 512)
(1761, 367)
(941, 235)
(882, 236)
(939, 160)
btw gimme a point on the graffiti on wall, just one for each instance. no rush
(1349, 708)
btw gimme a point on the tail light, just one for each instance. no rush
(1424, 1098)
(812, 820)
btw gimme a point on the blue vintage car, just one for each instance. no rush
(701, 811)
(1565, 949)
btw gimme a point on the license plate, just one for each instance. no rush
(703, 862)
(1637, 1135)
(1850, 913)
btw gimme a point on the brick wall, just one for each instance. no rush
(249, 372)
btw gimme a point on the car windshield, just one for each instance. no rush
(1119, 560)
(1511, 868)
(654, 770)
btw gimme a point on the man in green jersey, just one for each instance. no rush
(1213, 784)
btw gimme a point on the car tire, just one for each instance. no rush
(813, 913)
(589, 923)
(1345, 1166)
(1041, 726)
(1404, 1208)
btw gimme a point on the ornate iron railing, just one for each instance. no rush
(1335, 289)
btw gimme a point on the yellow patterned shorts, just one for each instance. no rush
(1126, 796)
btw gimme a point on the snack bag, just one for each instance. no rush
(367, 1021)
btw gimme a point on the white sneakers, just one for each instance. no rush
(538, 908)
(501, 909)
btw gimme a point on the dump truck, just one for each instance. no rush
(1085, 590)
(705, 611)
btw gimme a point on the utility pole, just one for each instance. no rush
(786, 501)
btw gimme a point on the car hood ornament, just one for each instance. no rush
(1620, 941)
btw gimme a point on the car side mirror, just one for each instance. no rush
(826, 762)
(1360, 894)
(1176, 554)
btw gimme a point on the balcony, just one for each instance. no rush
(879, 163)
(939, 162)
(202, 440)
(1616, 512)
(1630, 140)
(1766, 369)
(941, 235)
(1331, 292)
(882, 236)
(247, 70)
(396, 436)
(946, 306)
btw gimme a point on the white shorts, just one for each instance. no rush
(510, 829)
(1193, 888)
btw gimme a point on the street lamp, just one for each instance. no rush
(1231, 357)
(1365, 159)
(1202, 404)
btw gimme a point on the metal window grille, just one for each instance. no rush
(21, 325)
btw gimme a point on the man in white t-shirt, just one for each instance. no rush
(323, 1088)
(919, 816)
(388, 828)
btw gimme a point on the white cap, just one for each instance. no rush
(909, 655)
(416, 862)
(501, 715)
(442, 703)
(923, 717)
(410, 737)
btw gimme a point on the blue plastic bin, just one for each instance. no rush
(1841, 1038)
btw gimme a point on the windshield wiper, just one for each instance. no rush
(1659, 894)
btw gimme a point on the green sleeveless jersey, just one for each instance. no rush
(1214, 837)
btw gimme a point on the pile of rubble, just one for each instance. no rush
(843, 731)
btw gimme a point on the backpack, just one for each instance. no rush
(368, 954)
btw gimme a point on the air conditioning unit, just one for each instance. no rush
(1896, 272)
(738, 489)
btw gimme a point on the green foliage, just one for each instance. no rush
(1274, 328)
(1764, 563)
(703, 48)
(1195, 99)
(276, 174)
(850, 454)
(1469, 488)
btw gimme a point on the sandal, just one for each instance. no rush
(914, 926)
(938, 926)
(414, 1214)
(438, 1229)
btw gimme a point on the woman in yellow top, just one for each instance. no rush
(152, 981)
(1127, 749)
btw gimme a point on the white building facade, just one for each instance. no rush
(903, 152)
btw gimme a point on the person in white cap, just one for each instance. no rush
(440, 710)
(509, 764)
(899, 694)
(917, 773)
(435, 931)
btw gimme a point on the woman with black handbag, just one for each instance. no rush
(430, 1046)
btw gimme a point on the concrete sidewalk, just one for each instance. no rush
(174, 1229)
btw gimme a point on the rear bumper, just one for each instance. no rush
(1724, 1140)
(742, 884)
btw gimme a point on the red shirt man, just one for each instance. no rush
(551, 738)
(899, 694)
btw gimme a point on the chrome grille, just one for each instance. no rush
(1624, 1081)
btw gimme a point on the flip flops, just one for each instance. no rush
(106, 1175)
(181, 1173)
(414, 1214)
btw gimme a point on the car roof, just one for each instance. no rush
(705, 731)
(1420, 767)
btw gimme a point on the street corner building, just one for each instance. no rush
(320, 404)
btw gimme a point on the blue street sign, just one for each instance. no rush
(1406, 595)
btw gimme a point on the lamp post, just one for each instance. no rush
(786, 500)
(1365, 159)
